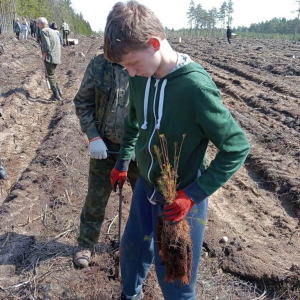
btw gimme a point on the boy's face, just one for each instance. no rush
(143, 62)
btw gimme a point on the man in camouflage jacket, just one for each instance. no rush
(101, 105)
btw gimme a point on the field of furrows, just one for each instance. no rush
(47, 159)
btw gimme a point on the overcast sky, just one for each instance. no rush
(173, 15)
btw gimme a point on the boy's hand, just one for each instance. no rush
(117, 177)
(179, 209)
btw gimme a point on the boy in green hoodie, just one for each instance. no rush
(171, 95)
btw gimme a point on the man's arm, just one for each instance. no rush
(45, 42)
(220, 128)
(129, 138)
(86, 111)
(85, 103)
(130, 134)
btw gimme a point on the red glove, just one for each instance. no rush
(179, 209)
(117, 177)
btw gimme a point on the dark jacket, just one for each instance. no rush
(229, 32)
(17, 27)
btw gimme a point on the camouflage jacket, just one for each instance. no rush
(102, 100)
(51, 45)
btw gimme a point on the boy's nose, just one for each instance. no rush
(131, 71)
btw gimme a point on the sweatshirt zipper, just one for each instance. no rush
(151, 137)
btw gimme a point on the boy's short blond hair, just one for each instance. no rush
(129, 27)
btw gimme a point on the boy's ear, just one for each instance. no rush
(155, 43)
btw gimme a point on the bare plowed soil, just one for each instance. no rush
(46, 157)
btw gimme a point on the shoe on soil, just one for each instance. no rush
(3, 175)
(82, 257)
(56, 95)
(138, 296)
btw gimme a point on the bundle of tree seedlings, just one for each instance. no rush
(173, 239)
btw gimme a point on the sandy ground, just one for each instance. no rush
(46, 157)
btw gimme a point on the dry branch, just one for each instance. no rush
(248, 187)
(32, 220)
(14, 286)
(261, 297)
(108, 230)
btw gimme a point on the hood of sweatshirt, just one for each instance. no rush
(183, 60)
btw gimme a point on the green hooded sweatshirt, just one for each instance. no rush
(185, 101)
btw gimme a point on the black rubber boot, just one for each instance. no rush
(59, 90)
(56, 95)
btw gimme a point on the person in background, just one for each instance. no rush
(51, 50)
(17, 28)
(229, 33)
(24, 27)
(66, 30)
(33, 28)
(38, 34)
(55, 28)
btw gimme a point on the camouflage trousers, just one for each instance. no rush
(51, 75)
(99, 189)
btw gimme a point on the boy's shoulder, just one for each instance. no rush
(195, 76)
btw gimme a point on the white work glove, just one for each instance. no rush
(98, 148)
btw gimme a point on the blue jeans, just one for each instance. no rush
(138, 247)
(25, 33)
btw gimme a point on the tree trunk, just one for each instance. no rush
(296, 27)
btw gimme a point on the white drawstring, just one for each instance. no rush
(151, 197)
(161, 103)
(146, 98)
